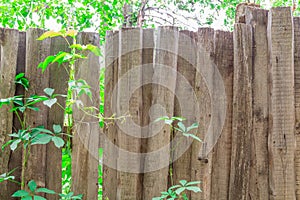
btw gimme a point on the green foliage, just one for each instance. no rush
(179, 191)
(32, 194)
(180, 127)
(8, 176)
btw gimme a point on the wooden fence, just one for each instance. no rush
(242, 87)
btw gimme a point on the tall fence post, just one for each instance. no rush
(282, 109)
(36, 52)
(9, 40)
(242, 113)
(297, 101)
(85, 148)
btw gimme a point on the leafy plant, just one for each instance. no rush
(180, 127)
(179, 191)
(33, 192)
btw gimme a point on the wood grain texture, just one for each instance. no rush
(9, 40)
(165, 65)
(282, 110)
(201, 169)
(15, 160)
(242, 113)
(110, 154)
(186, 106)
(85, 156)
(297, 101)
(36, 52)
(129, 102)
(258, 19)
(58, 80)
(221, 154)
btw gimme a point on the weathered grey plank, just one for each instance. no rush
(58, 80)
(15, 160)
(259, 189)
(129, 102)
(242, 113)
(9, 40)
(221, 154)
(282, 110)
(36, 52)
(110, 154)
(201, 169)
(186, 106)
(165, 64)
(297, 101)
(86, 128)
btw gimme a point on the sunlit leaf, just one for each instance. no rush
(58, 142)
(49, 34)
(57, 128)
(50, 102)
(49, 91)
(43, 65)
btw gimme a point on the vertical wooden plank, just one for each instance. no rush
(15, 160)
(110, 154)
(58, 80)
(165, 64)
(221, 154)
(297, 101)
(242, 113)
(185, 106)
(9, 40)
(282, 111)
(129, 102)
(201, 170)
(86, 128)
(36, 52)
(259, 183)
(147, 74)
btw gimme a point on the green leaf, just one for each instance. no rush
(94, 49)
(183, 182)
(42, 139)
(62, 57)
(77, 46)
(58, 142)
(14, 145)
(20, 193)
(193, 183)
(57, 128)
(71, 33)
(193, 126)
(49, 91)
(43, 65)
(41, 129)
(19, 76)
(45, 190)
(49, 34)
(6, 144)
(181, 127)
(174, 186)
(32, 185)
(192, 136)
(194, 189)
(50, 102)
(179, 190)
(35, 197)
